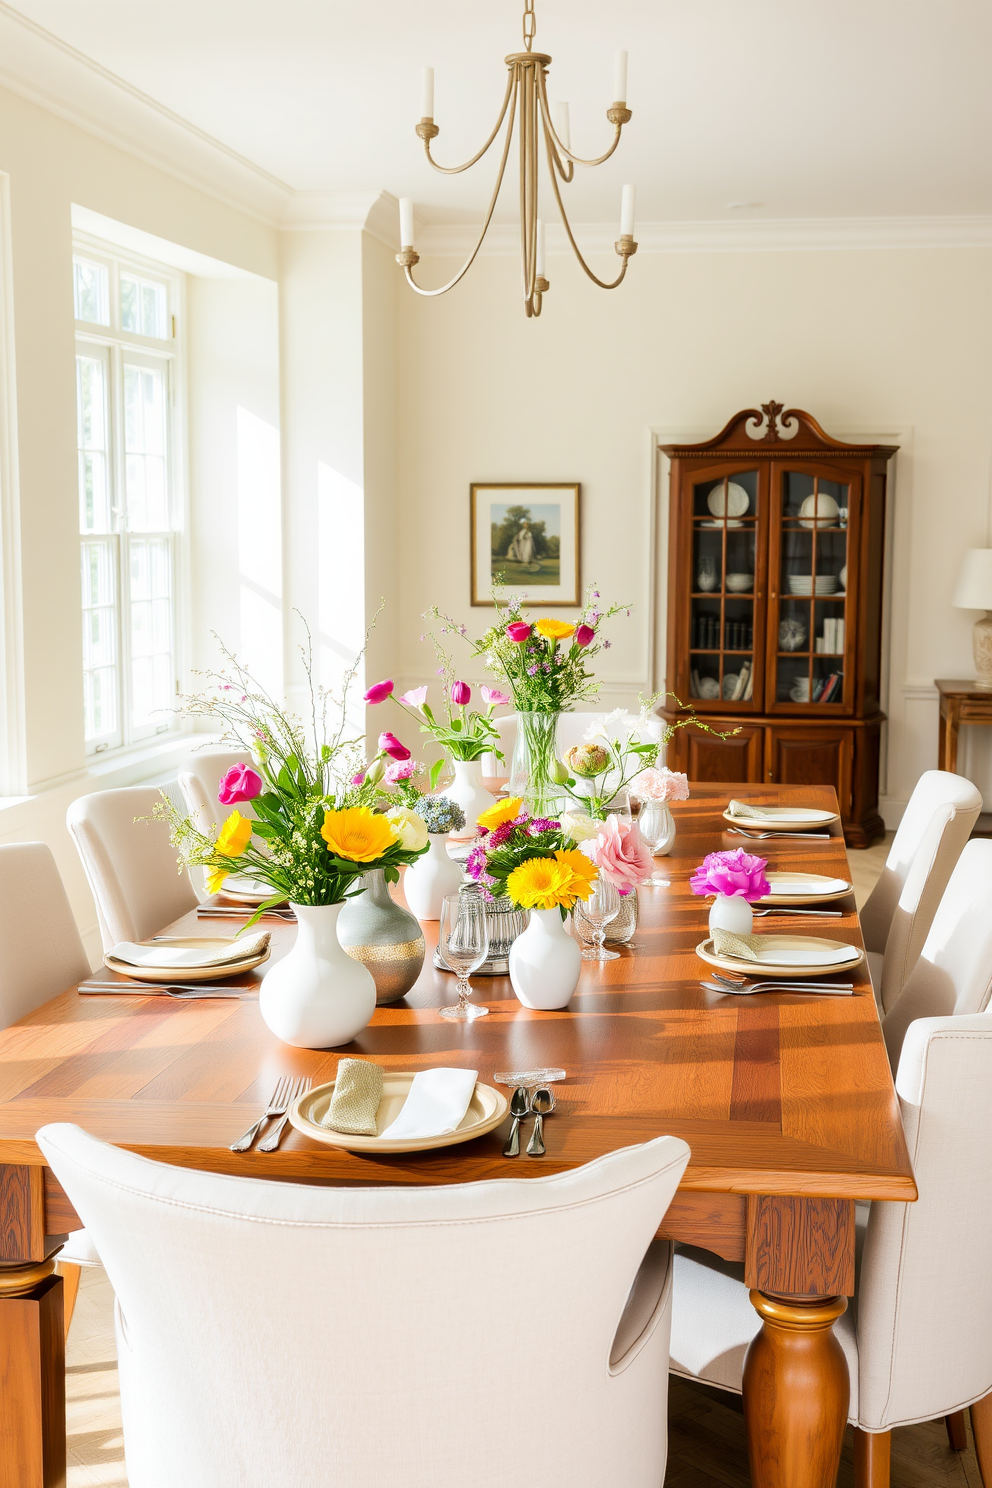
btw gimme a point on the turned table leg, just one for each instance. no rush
(796, 1392)
(32, 1377)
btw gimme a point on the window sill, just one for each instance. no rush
(146, 764)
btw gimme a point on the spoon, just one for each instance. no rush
(519, 1108)
(542, 1104)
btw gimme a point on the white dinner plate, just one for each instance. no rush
(797, 818)
(486, 1110)
(842, 957)
(214, 973)
(804, 888)
(735, 504)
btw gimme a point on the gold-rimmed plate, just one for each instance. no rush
(241, 889)
(795, 818)
(486, 1109)
(847, 957)
(215, 973)
(805, 888)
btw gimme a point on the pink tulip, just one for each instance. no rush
(584, 635)
(461, 693)
(492, 696)
(619, 853)
(379, 692)
(239, 784)
(415, 698)
(518, 631)
(389, 744)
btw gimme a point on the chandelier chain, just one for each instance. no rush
(530, 24)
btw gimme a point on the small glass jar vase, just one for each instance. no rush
(731, 912)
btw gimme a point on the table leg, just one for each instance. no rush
(796, 1392)
(947, 754)
(32, 1377)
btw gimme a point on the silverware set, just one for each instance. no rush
(231, 912)
(188, 991)
(287, 1090)
(759, 836)
(523, 1104)
(759, 914)
(724, 981)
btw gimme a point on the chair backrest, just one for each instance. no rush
(130, 863)
(275, 1334)
(199, 776)
(935, 826)
(571, 730)
(41, 953)
(924, 1293)
(954, 971)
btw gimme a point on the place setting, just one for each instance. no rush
(750, 820)
(180, 965)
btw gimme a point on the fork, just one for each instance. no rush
(820, 913)
(279, 1104)
(189, 990)
(749, 984)
(272, 1138)
(757, 836)
(828, 989)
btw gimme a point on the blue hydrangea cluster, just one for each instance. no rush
(440, 814)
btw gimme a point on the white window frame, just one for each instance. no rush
(119, 346)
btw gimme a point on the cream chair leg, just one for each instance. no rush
(70, 1275)
(957, 1430)
(981, 1426)
(872, 1456)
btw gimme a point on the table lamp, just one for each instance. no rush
(974, 592)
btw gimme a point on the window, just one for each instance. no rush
(130, 500)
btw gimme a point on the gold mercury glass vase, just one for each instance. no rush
(384, 936)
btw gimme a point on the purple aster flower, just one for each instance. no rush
(500, 834)
(543, 824)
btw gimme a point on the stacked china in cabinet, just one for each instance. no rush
(776, 545)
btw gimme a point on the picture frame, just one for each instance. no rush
(530, 533)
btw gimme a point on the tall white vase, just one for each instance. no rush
(433, 876)
(467, 789)
(545, 962)
(317, 997)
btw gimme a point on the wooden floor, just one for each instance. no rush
(706, 1444)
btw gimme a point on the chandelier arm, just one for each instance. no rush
(576, 159)
(455, 170)
(603, 284)
(431, 293)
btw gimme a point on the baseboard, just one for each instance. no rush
(891, 810)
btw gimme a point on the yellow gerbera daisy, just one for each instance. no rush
(543, 883)
(234, 836)
(215, 878)
(554, 630)
(503, 811)
(584, 873)
(357, 834)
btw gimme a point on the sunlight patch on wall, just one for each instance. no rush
(260, 550)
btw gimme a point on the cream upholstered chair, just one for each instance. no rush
(918, 1335)
(199, 777)
(131, 865)
(41, 955)
(935, 826)
(954, 971)
(275, 1334)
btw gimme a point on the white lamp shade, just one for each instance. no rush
(974, 586)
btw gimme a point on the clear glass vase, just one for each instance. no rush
(534, 753)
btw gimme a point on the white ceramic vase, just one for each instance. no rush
(317, 997)
(731, 912)
(467, 789)
(545, 962)
(433, 876)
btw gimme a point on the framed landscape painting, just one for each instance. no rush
(526, 537)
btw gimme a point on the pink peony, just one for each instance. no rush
(492, 697)
(239, 784)
(619, 853)
(400, 770)
(379, 692)
(585, 635)
(736, 872)
(660, 785)
(461, 694)
(389, 744)
(415, 698)
(519, 631)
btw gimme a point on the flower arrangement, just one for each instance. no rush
(319, 820)
(532, 860)
(737, 873)
(440, 814)
(462, 734)
(619, 854)
(544, 674)
(660, 784)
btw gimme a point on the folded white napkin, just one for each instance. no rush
(772, 956)
(163, 954)
(437, 1101)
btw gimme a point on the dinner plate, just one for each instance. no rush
(734, 504)
(804, 888)
(486, 1110)
(248, 896)
(187, 973)
(848, 956)
(797, 818)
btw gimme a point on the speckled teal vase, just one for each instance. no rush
(384, 936)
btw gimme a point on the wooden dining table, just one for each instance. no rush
(786, 1101)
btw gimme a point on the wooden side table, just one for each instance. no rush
(962, 704)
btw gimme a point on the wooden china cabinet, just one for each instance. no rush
(775, 607)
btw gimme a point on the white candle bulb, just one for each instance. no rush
(627, 212)
(540, 249)
(620, 78)
(427, 93)
(563, 127)
(406, 222)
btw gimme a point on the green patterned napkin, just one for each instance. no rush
(355, 1102)
(745, 947)
(744, 809)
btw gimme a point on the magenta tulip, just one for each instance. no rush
(379, 692)
(389, 744)
(518, 631)
(461, 693)
(584, 635)
(239, 784)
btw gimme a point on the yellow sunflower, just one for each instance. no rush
(215, 878)
(503, 811)
(544, 883)
(357, 834)
(554, 630)
(234, 836)
(584, 873)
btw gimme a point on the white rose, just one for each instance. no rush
(409, 829)
(578, 826)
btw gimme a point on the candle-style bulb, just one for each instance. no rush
(563, 127)
(627, 212)
(406, 222)
(427, 93)
(540, 249)
(620, 77)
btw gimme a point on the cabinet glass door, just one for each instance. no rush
(808, 643)
(726, 583)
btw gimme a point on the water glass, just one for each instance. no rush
(657, 828)
(602, 906)
(463, 938)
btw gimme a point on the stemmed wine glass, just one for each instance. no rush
(602, 906)
(464, 941)
(657, 828)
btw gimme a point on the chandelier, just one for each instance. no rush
(527, 96)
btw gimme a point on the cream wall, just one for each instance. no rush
(869, 342)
